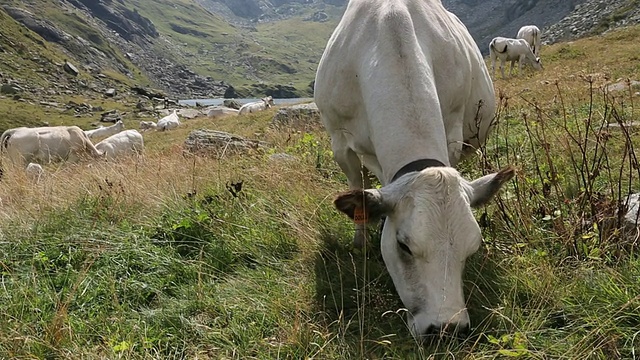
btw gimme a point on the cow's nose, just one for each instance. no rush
(455, 330)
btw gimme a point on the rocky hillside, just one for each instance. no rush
(245, 48)
(593, 17)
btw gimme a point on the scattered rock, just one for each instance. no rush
(110, 92)
(111, 116)
(301, 115)
(70, 68)
(591, 17)
(189, 113)
(233, 104)
(150, 93)
(632, 217)
(219, 143)
(623, 85)
(10, 89)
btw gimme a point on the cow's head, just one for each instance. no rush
(428, 234)
(537, 64)
(268, 100)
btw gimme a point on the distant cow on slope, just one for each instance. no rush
(532, 35)
(513, 50)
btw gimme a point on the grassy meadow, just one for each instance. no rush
(169, 257)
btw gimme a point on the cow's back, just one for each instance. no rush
(391, 76)
(48, 144)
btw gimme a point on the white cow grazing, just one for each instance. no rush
(513, 50)
(169, 122)
(252, 107)
(34, 172)
(147, 125)
(48, 144)
(124, 143)
(105, 131)
(425, 56)
(532, 35)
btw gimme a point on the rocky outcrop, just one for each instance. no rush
(129, 24)
(297, 116)
(591, 18)
(42, 27)
(219, 143)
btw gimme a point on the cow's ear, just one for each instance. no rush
(481, 190)
(362, 206)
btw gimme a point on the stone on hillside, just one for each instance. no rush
(70, 68)
(233, 104)
(218, 111)
(189, 113)
(219, 143)
(631, 218)
(110, 92)
(301, 115)
(111, 116)
(10, 89)
(623, 85)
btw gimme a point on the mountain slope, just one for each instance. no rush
(245, 48)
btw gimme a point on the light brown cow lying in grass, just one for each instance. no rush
(44, 145)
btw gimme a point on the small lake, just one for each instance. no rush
(210, 102)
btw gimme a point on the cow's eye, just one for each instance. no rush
(404, 248)
(402, 244)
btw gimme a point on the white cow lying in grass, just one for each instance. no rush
(124, 143)
(147, 125)
(169, 122)
(513, 50)
(47, 144)
(104, 131)
(532, 35)
(252, 107)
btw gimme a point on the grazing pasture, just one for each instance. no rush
(182, 256)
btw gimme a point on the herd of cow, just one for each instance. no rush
(525, 48)
(31, 147)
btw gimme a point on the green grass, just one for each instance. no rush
(157, 258)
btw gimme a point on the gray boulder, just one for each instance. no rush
(219, 143)
(111, 116)
(70, 68)
(233, 104)
(632, 216)
(301, 115)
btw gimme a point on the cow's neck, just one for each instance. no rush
(417, 165)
